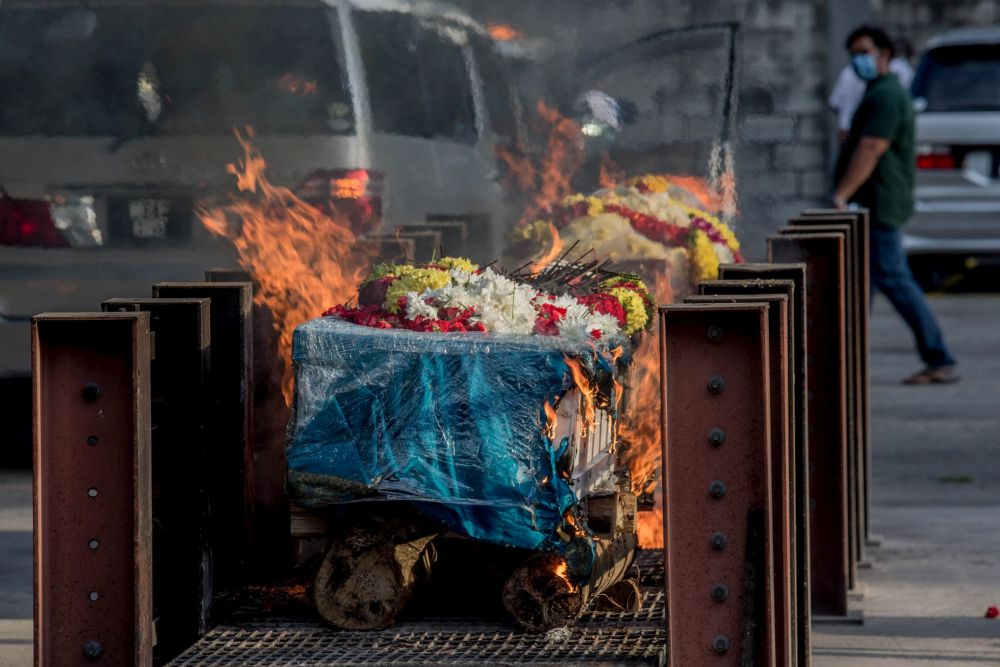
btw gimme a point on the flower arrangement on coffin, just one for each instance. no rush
(454, 295)
(489, 400)
(652, 217)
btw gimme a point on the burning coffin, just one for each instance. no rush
(487, 403)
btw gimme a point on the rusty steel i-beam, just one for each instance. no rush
(860, 223)
(823, 255)
(717, 479)
(851, 386)
(182, 556)
(92, 490)
(753, 278)
(230, 386)
(782, 461)
(856, 320)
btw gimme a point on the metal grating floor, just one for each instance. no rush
(597, 638)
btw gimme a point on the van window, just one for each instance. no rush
(418, 79)
(168, 70)
(960, 78)
(497, 89)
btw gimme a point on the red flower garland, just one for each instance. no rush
(606, 304)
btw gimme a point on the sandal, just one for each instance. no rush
(945, 375)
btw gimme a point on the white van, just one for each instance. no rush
(956, 93)
(117, 118)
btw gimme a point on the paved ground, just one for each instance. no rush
(936, 502)
(15, 569)
(936, 507)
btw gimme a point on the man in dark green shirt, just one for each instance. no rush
(876, 170)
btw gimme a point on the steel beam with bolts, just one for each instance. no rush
(852, 352)
(182, 556)
(856, 321)
(717, 480)
(782, 461)
(823, 255)
(92, 515)
(748, 279)
(860, 223)
(230, 385)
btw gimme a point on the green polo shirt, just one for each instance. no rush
(885, 111)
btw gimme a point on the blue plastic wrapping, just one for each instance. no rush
(451, 422)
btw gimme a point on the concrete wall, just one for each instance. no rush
(789, 53)
(920, 19)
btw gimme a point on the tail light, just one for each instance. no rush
(936, 157)
(353, 193)
(58, 222)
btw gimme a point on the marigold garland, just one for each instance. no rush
(703, 258)
(653, 208)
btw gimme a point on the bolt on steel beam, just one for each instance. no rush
(775, 278)
(182, 557)
(92, 507)
(782, 459)
(851, 366)
(823, 255)
(715, 369)
(860, 224)
(230, 387)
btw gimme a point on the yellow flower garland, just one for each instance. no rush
(411, 279)
(636, 317)
(704, 261)
(457, 263)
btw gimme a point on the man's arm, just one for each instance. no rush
(862, 164)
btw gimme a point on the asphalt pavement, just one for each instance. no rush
(936, 509)
(15, 568)
(935, 501)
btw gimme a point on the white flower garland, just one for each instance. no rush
(505, 306)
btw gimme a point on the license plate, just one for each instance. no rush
(149, 218)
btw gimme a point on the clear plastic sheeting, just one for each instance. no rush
(452, 422)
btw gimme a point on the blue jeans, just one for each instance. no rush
(890, 274)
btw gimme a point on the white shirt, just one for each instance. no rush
(849, 90)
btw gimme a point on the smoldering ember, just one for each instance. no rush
(406, 333)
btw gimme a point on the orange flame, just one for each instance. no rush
(710, 198)
(551, 421)
(549, 178)
(561, 570)
(640, 428)
(582, 383)
(296, 83)
(610, 175)
(553, 252)
(502, 32)
(302, 260)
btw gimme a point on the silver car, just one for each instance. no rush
(117, 120)
(956, 94)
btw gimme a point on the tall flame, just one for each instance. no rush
(554, 250)
(641, 426)
(586, 392)
(302, 260)
(548, 179)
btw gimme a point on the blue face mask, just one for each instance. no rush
(865, 66)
